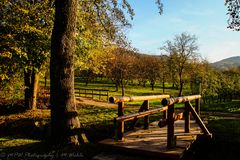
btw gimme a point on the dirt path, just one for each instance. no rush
(87, 101)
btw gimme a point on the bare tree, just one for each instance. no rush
(181, 50)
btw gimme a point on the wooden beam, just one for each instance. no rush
(120, 124)
(140, 114)
(163, 122)
(170, 101)
(146, 118)
(198, 120)
(144, 107)
(116, 99)
(197, 106)
(171, 139)
(187, 118)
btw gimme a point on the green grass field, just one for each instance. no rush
(20, 134)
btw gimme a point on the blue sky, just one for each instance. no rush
(206, 19)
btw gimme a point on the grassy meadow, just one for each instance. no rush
(23, 133)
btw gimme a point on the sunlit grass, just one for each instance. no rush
(7, 142)
(230, 107)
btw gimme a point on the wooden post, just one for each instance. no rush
(187, 117)
(146, 118)
(171, 139)
(164, 115)
(99, 94)
(197, 106)
(198, 120)
(163, 122)
(144, 107)
(120, 125)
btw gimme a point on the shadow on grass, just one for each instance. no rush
(23, 128)
(39, 150)
(11, 109)
(223, 146)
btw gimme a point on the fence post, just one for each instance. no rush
(120, 125)
(197, 106)
(171, 139)
(164, 116)
(146, 118)
(187, 117)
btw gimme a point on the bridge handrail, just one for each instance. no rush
(140, 114)
(169, 115)
(116, 99)
(171, 101)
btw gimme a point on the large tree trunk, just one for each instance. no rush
(64, 118)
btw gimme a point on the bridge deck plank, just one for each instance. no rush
(153, 142)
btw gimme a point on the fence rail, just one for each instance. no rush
(90, 93)
(82, 92)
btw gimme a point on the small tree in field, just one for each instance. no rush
(120, 67)
(182, 49)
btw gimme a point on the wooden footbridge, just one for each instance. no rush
(170, 137)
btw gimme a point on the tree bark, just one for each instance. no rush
(116, 86)
(34, 89)
(64, 118)
(163, 86)
(123, 89)
(27, 84)
(180, 90)
(152, 85)
(31, 79)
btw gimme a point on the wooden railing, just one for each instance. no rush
(90, 93)
(143, 111)
(169, 114)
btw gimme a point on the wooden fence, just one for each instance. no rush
(169, 114)
(90, 93)
(79, 92)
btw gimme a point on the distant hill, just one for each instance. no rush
(227, 63)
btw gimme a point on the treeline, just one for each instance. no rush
(179, 65)
(123, 67)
